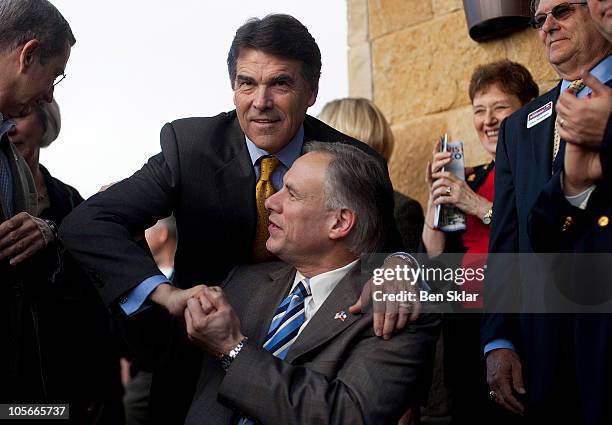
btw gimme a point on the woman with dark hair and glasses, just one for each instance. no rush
(77, 351)
(497, 90)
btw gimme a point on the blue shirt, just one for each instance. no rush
(286, 156)
(602, 71)
(136, 298)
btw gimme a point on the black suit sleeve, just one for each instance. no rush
(409, 219)
(549, 229)
(103, 232)
(501, 281)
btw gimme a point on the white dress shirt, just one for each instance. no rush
(320, 287)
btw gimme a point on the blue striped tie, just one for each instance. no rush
(286, 323)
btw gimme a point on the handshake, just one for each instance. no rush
(210, 320)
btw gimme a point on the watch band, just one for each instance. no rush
(53, 228)
(227, 359)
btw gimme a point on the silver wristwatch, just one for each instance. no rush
(487, 217)
(227, 359)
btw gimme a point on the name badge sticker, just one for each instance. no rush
(539, 115)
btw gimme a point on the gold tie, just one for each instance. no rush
(573, 88)
(263, 190)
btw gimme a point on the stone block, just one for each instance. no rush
(526, 48)
(426, 69)
(386, 16)
(357, 11)
(413, 147)
(360, 71)
(442, 7)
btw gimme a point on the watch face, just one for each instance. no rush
(487, 217)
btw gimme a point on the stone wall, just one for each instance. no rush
(414, 58)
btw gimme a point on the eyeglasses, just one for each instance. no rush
(58, 79)
(559, 12)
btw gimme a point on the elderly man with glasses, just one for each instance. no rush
(549, 368)
(35, 43)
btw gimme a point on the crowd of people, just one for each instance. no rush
(231, 279)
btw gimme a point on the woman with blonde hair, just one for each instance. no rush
(361, 119)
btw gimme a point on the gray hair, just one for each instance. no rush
(356, 180)
(534, 5)
(25, 20)
(51, 120)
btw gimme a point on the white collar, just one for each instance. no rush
(323, 284)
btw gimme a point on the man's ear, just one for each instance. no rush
(313, 95)
(28, 55)
(344, 221)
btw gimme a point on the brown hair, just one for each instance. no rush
(511, 77)
(282, 36)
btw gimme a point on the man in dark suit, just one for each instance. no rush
(572, 217)
(307, 359)
(214, 175)
(573, 209)
(35, 42)
(542, 349)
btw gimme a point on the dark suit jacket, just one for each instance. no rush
(80, 353)
(548, 343)
(204, 176)
(585, 278)
(548, 230)
(336, 372)
(20, 365)
(409, 219)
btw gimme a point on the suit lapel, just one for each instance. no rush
(235, 184)
(311, 131)
(323, 326)
(264, 298)
(541, 138)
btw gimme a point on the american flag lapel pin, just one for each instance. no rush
(341, 315)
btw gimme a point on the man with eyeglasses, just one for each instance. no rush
(549, 368)
(35, 42)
